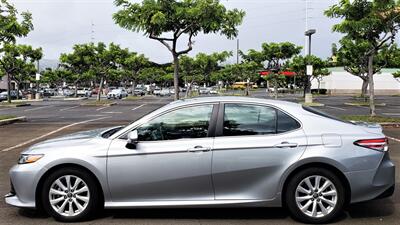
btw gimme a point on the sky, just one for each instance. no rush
(59, 24)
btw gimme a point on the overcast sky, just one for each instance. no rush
(61, 23)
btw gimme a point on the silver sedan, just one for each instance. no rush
(210, 152)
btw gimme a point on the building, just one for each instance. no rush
(3, 83)
(340, 82)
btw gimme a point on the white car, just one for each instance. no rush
(157, 91)
(84, 92)
(165, 92)
(117, 93)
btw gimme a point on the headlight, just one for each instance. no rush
(29, 158)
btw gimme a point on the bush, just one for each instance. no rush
(321, 91)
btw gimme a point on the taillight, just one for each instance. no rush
(380, 144)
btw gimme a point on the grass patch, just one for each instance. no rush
(4, 117)
(362, 103)
(132, 98)
(375, 119)
(99, 103)
(312, 104)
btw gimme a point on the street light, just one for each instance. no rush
(308, 95)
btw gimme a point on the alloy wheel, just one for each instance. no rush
(316, 196)
(69, 195)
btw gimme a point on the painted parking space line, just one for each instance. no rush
(333, 107)
(112, 112)
(391, 114)
(68, 108)
(140, 106)
(394, 139)
(50, 133)
(102, 108)
(34, 109)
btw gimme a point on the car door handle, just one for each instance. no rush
(286, 144)
(199, 148)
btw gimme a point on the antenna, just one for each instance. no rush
(92, 33)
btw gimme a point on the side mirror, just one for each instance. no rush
(132, 139)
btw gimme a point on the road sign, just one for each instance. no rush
(38, 76)
(309, 70)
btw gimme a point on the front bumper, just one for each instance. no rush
(371, 184)
(24, 180)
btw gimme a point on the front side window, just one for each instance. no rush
(190, 122)
(248, 120)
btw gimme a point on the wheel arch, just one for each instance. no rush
(40, 184)
(323, 165)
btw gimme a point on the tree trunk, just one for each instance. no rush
(364, 89)
(371, 85)
(8, 88)
(100, 88)
(176, 77)
(76, 89)
(17, 88)
(276, 88)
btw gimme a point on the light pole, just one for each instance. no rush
(308, 95)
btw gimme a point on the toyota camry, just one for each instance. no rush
(209, 152)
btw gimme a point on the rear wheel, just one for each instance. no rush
(315, 195)
(70, 195)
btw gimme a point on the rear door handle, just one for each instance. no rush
(286, 144)
(199, 148)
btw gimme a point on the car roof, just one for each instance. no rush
(278, 103)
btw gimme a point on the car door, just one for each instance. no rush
(172, 159)
(254, 146)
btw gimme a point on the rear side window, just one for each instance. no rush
(286, 123)
(323, 114)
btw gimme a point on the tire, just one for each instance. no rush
(90, 200)
(333, 204)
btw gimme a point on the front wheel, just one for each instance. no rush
(315, 195)
(70, 195)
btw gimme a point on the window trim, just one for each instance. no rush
(211, 125)
(220, 122)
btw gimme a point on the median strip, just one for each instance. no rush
(11, 119)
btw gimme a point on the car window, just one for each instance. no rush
(286, 123)
(190, 122)
(242, 119)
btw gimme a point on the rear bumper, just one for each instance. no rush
(371, 184)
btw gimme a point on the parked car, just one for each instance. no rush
(117, 93)
(172, 90)
(13, 94)
(214, 90)
(157, 91)
(165, 92)
(68, 92)
(139, 91)
(207, 152)
(84, 92)
(204, 91)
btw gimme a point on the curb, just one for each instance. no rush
(106, 104)
(390, 125)
(12, 120)
(15, 105)
(75, 99)
(314, 104)
(366, 105)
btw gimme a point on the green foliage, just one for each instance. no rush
(153, 74)
(13, 24)
(56, 76)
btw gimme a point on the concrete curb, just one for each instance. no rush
(75, 99)
(95, 105)
(390, 125)
(12, 120)
(314, 104)
(366, 105)
(15, 105)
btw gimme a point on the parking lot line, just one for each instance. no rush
(112, 112)
(72, 107)
(138, 107)
(34, 109)
(392, 114)
(102, 108)
(50, 133)
(393, 139)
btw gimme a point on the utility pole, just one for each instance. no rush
(237, 51)
(92, 33)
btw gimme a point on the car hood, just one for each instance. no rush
(70, 140)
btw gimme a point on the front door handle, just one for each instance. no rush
(286, 144)
(199, 148)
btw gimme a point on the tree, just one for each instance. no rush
(78, 63)
(207, 64)
(271, 57)
(370, 23)
(152, 74)
(12, 25)
(299, 63)
(133, 64)
(168, 20)
(353, 56)
(56, 76)
(17, 63)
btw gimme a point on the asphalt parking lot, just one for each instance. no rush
(70, 116)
